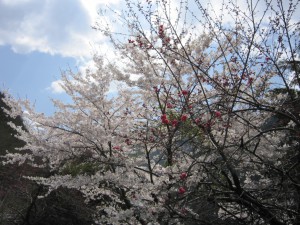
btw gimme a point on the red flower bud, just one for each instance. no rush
(165, 121)
(163, 116)
(183, 176)
(174, 123)
(169, 106)
(197, 121)
(185, 92)
(184, 118)
(218, 114)
(250, 81)
(181, 190)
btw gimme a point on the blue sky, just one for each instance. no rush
(31, 75)
(41, 38)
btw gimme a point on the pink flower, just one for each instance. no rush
(197, 121)
(174, 123)
(161, 31)
(163, 116)
(117, 147)
(250, 80)
(185, 92)
(169, 106)
(184, 118)
(183, 176)
(218, 114)
(167, 39)
(181, 190)
(165, 121)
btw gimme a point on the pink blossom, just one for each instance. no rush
(169, 106)
(185, 92)
(184, 117)
(218, 114)
(181, 190)
(161, 31)
(174, 123)
(250, 80)
(165, 121)
(117, 147)
(183, 176)
(163, 116)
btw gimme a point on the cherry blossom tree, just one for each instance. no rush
(204, 128)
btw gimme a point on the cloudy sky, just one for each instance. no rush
(41, 38)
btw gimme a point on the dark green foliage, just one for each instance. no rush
(75, 168)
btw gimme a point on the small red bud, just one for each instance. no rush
(218, 114)
(163, 116)
(181, 190)
(185, 92)
(184, 118)
(165, 121)
(183, 176)
(169, 106)
(174, 123)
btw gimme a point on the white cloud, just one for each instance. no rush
(91, 6)
(56, 87)
(53, 27)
